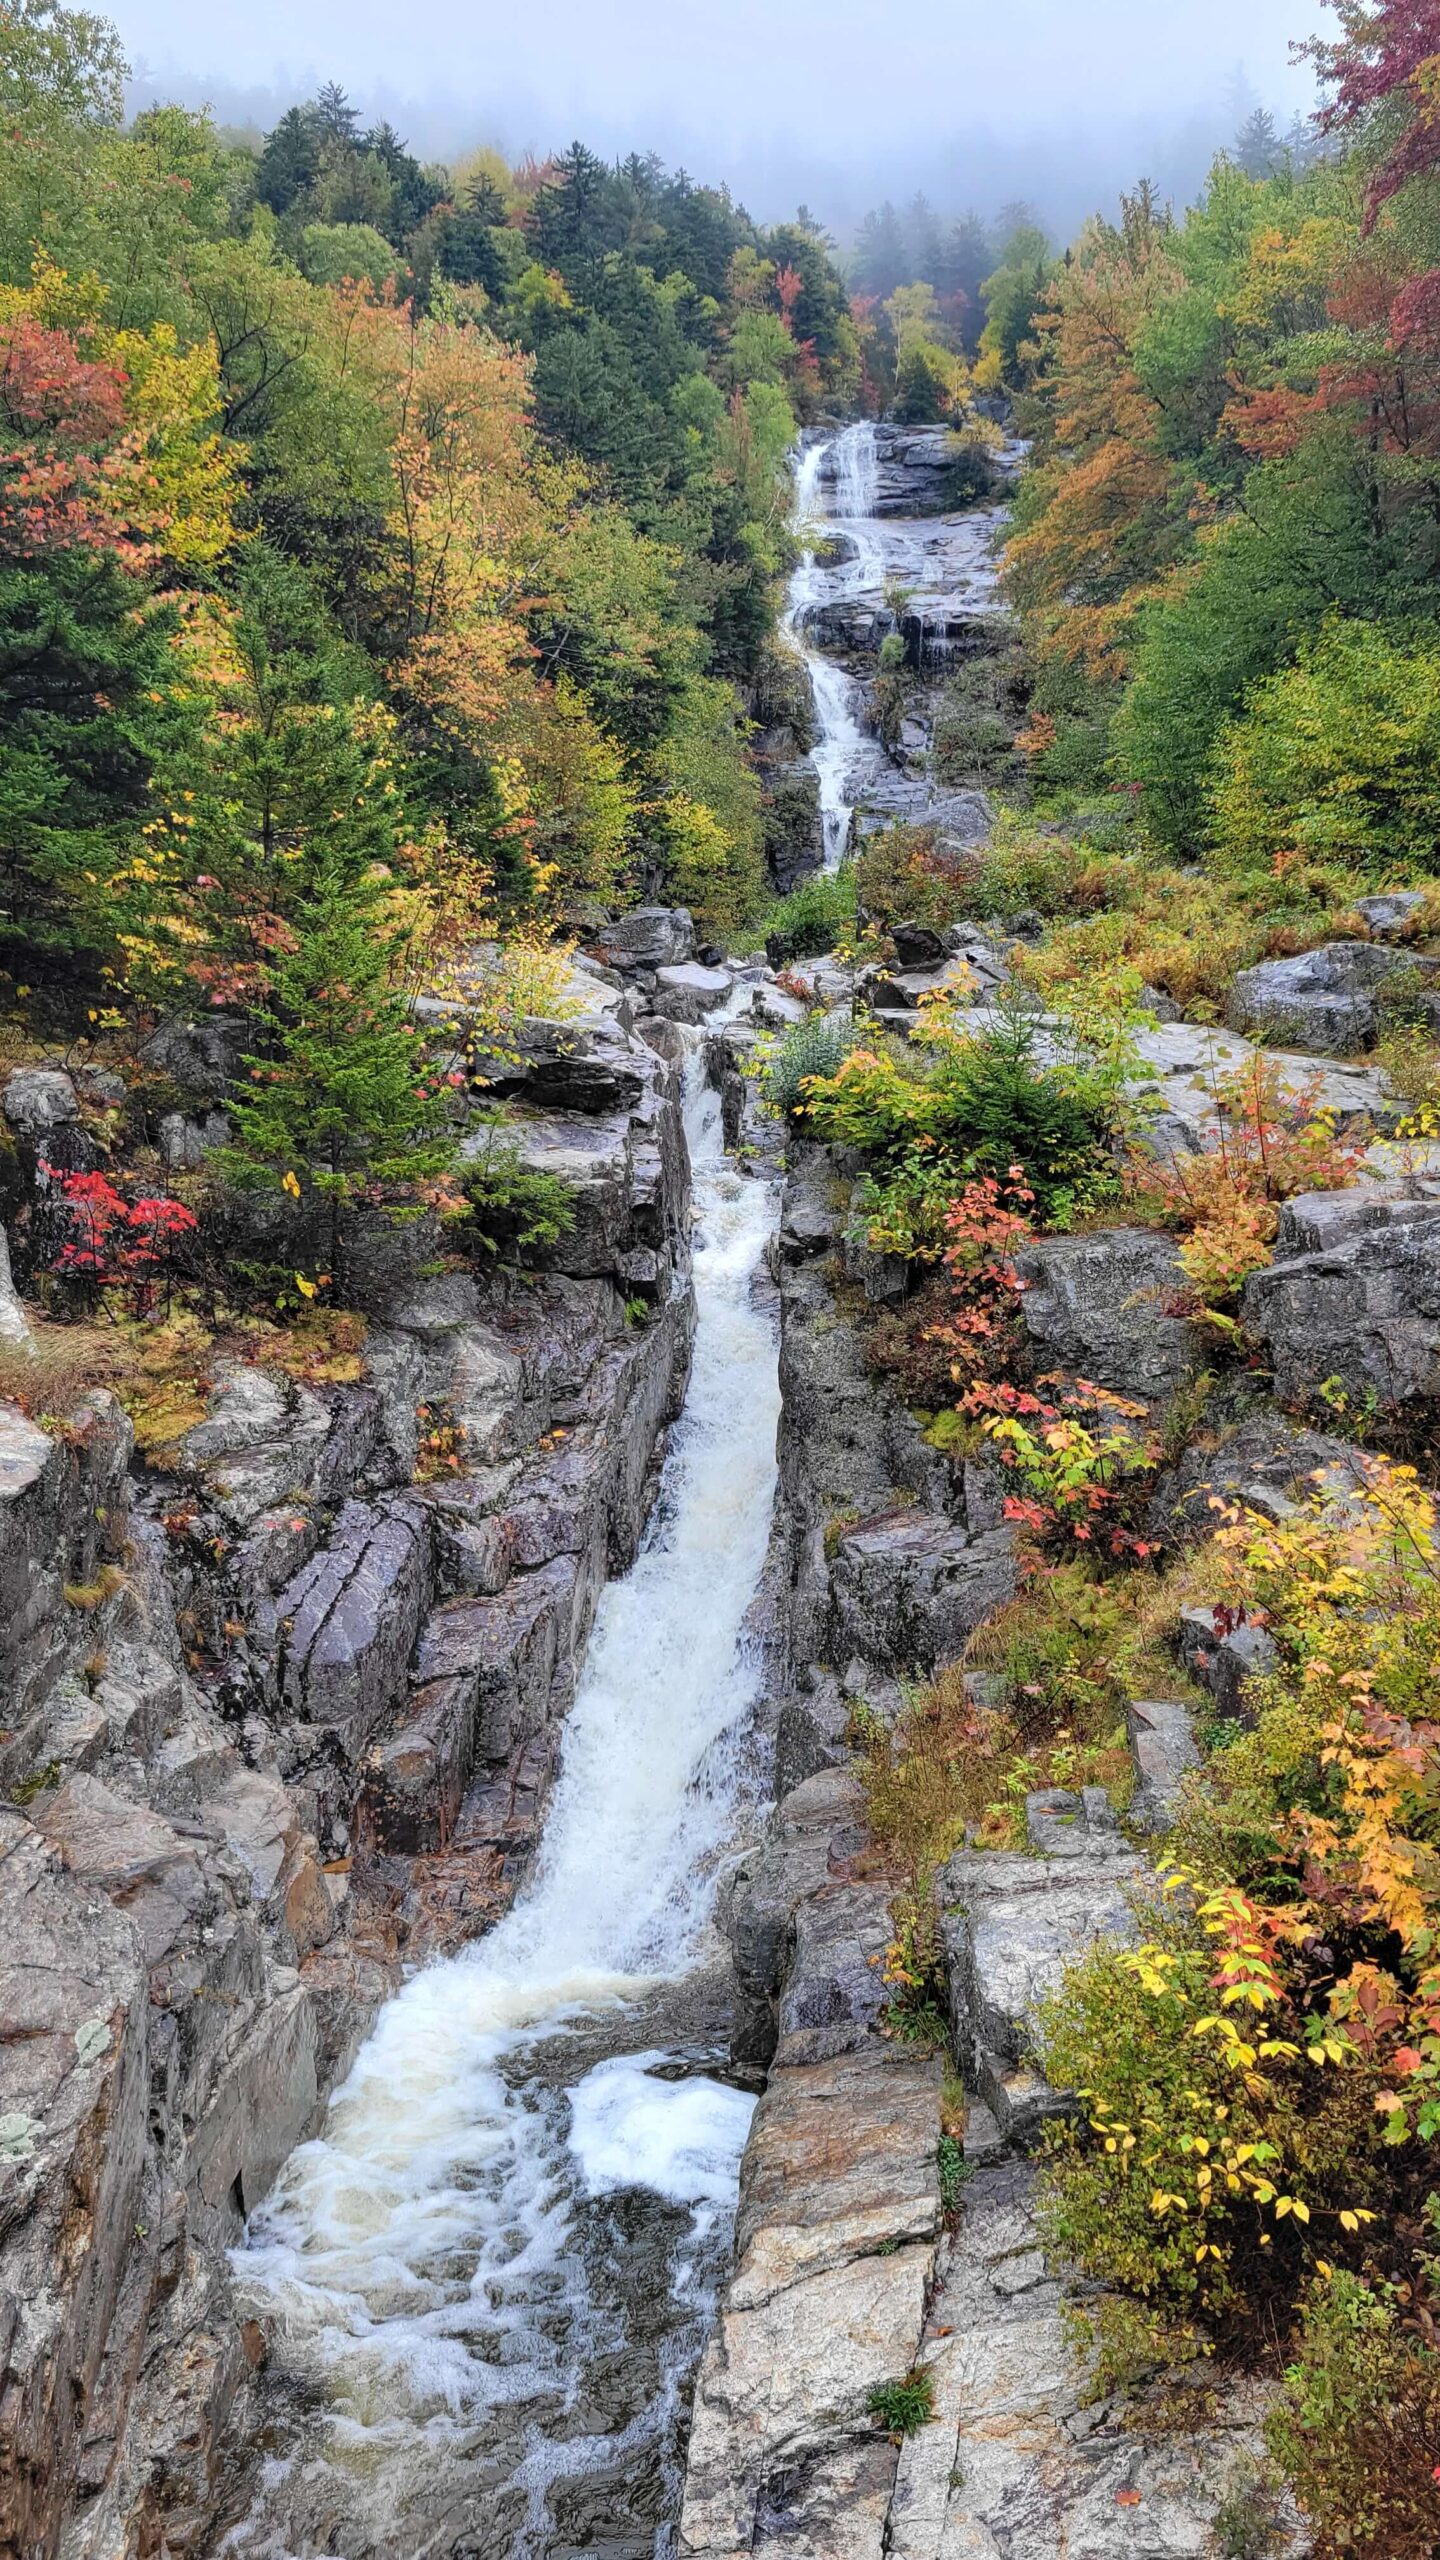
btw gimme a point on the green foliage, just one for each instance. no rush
(903, 876)
(954, 2170)
(902, 2408)
(1303, 547)
(336, 1105)
(86, 723)
(1337, 760)
(1013, 294)
(815, 917)
(923, 384)
(814, 1048)
(512, 1211)
(982, 1105)
(1358, 2423)
(347, 252)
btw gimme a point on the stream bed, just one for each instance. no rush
(486, 2284)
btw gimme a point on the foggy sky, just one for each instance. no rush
(836, 101)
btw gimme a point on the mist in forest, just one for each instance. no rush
(837, 105)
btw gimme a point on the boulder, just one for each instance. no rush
(1098, 1304)
(349, 1620)
(1163, 1748)
(1011, 1922)
(259, 1442)
(908, 1587)
(686, 992)
(646, 938)
(1367, 1313)
(135, 1857)
(1320, 1000)
(1184, 1064)
(415, 1780)
(184, 1143)
(38, 1100)
(1022, 2458)
(1393, 913)
(200, 1053)
(1266, 1462)
(591, 1065)
(1318, 1221)
(15, 1331)
(1223, 1658)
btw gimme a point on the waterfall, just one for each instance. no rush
(847, 463)
(946, 567)
(420, 2266)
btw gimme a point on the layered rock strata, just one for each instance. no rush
(281, 1711)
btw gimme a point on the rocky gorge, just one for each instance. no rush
(450, 2095)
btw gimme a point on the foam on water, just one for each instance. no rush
(413, 2265)
(680, 2138)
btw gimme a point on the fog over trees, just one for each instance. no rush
(840, 108)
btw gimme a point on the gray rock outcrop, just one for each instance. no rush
(278, 1706)
(1323, 1000)
(1102, 1305)
(1365, 1312)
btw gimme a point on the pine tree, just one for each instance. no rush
(1257, 145)
(336, 1105)
(294, 843)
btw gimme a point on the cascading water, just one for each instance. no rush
(845, 464)
(945, 565)
(455, 2274)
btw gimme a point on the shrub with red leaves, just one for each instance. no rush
(105, 1241)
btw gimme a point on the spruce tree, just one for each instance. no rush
(295, 847)
(336, 1105)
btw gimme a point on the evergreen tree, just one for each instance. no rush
(967, 256)
(1257, 147)
(926, 248)
(881, 259)
(291, 160)
(568, 223)
(294, 845)
(90, 711)
(336, 1104)
(336, 117)
(468, 253)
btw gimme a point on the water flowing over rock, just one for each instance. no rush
(275, 1712)
(871, 494)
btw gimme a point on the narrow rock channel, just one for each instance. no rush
(485, 2281)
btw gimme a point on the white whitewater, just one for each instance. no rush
(941, 565)
(835, 484)
(416, 2266)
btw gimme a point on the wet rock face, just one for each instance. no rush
(839, 2210)
(215, 1852)
(647, 938)
(1019, 2458)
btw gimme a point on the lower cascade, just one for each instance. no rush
(513, 2219)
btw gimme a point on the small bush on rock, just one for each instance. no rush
(511, 1211)
(813, 1052)
(1271, 1144)
(963, 1105)
(817, 916)
(905, 875)
(904, 2407)
(1358, 2426)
